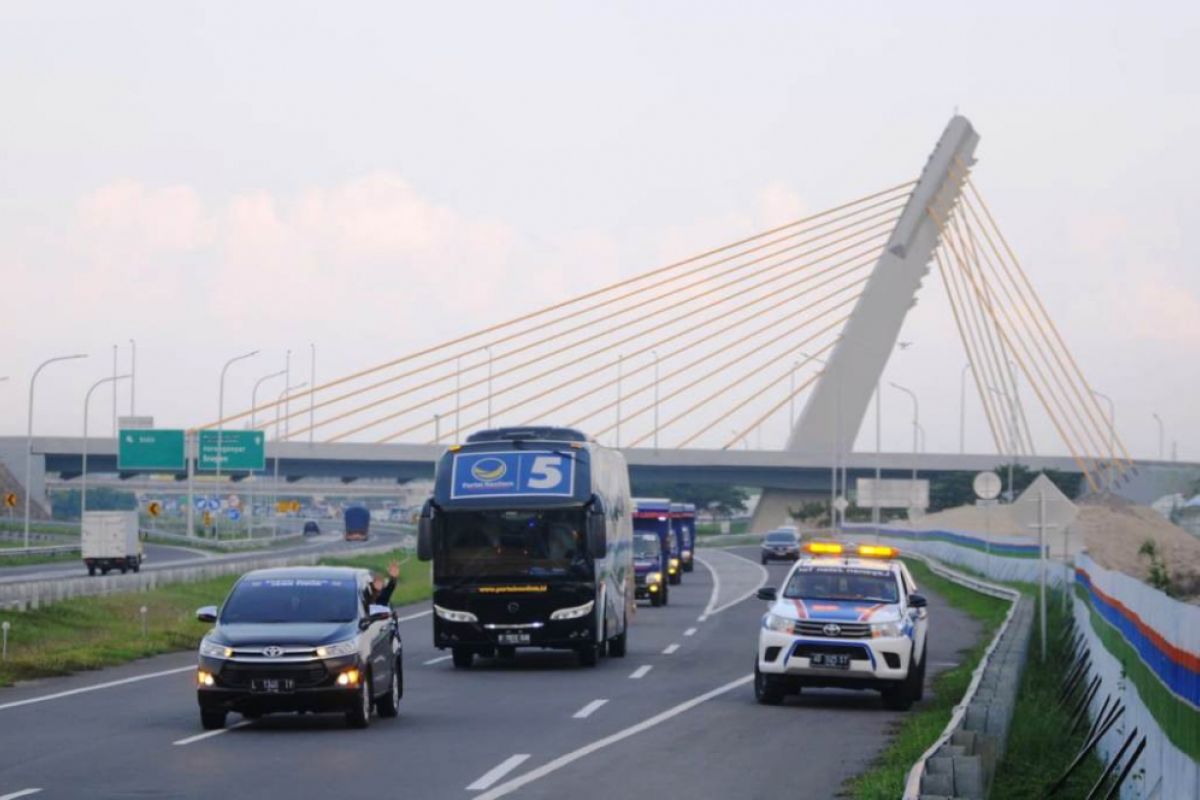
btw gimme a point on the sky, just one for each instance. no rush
(212, 178)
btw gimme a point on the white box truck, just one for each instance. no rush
(110, 541)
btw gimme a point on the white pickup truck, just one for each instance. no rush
(110, 541)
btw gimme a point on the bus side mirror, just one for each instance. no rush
(425, 533)
(597, 535)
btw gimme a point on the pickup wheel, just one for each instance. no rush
(764, 560)
(359, 714)
(768, 689)
(903, 693)
(212, 719)
(462, 657)
(919, 681)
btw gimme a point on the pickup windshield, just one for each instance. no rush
(842, 584)
(269, 600)
(513, 544)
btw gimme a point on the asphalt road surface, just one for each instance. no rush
(676, 717)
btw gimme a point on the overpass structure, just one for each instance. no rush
(663, 362)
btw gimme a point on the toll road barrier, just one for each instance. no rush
(34, 594)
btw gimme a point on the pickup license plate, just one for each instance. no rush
(272, 685)
(513, 638)
(834, 660)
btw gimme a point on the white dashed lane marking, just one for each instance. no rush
(588, 710)
(641, 671)
(497, 772)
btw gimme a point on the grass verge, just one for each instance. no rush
(30, 560)
(920, 727)
(94, 632)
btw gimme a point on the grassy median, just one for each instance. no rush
(921, 726)
(93, 632)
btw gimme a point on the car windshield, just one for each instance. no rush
(842, 584)
(513, 544)
(265, 600)
(646, 547)
(781, 538)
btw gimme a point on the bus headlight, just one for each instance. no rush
(653, 577)
(673, 565)
(885, 629)
(575, 612)
(450, 615)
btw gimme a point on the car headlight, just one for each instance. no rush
(774, 622)
(654, 577)
(450, 615)
(885, 629)
(575, 612)
(338, 649)
(210, 649)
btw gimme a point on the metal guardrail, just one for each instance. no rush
(913, 788)
(45, 550)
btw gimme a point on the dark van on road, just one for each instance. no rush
(300, 639)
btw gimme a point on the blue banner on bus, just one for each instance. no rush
(512, 474)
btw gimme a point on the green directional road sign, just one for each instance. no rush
(239, 451)
(150, 449)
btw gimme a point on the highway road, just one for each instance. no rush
(166, 556)
(676, 717)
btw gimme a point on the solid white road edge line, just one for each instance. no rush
(497, 772)
(199, 737)
(690, 632)
(22, 793)
(563, 760)
(588, 710)
(641, 671)
(438, 660)
(671, 648)
(95, 687)
(716, 589)
(418, 615)
(766, 576)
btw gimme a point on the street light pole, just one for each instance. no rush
(489, 399)
(29, 434)
(916, 426)
(792, 398)
(114, 393)
(1158, 419)
(457, 398)
(1012, 436)
(620, 364)
(962, 409)
(254, 426)
(655, 354)
(1112, 436)
(312, 388)
(87, 399)
(132, 377)
(275, 502)
(220, 454)
(437, 428)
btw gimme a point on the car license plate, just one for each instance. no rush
(835, 660)
(513, 638)
(272, 685)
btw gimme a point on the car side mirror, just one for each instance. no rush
(425, 533)
(375, 614)
(207, 614)
(917, 601)
(767, 593)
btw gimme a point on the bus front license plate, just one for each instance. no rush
(834, 660)
(514, 638)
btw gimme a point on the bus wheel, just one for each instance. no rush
(462, 657)
(616, 645)
(589, 655)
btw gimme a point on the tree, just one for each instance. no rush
(956, 488)
(722, 501)
(65, 504)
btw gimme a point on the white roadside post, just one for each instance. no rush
(1043, 506)
(87, 401)
(1042, 561)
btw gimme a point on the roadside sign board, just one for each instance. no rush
(135, 423)
(841, 504)
(150, 449)
(10, 500)
(1060, 511)
(987, 485)
(892, 493)
(239, 451)
(233, 514)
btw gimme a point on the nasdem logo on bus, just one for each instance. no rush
(489, 469)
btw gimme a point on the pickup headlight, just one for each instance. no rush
(654, 577)
(885, 629)
(338, 649)
(575, 612)
(774, 622)
(213, 650)
(450, 615)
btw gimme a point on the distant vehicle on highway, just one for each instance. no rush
(299, 639)
(530, 537)
(782, 544)
(683, 523)
(653, 515)
(358, 524)
(110, 540)
(848, 617)
(650, 567)
(311, 528)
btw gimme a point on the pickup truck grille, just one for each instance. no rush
(846, 630)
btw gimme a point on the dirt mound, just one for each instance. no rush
(1115, 530)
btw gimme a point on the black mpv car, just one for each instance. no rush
(299, 639)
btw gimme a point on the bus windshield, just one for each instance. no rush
(646, 546)
(513, 544)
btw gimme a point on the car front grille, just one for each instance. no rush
(846, 630)
(305, 676)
